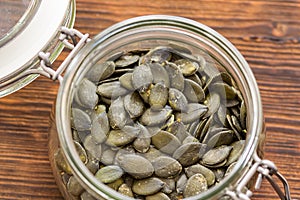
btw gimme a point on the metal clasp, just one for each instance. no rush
(266, 169)
(68, 38)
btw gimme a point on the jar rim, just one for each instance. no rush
(64, 99)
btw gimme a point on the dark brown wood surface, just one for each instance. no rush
(266, 32)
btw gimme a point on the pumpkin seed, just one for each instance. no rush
(181, 183)
(221, 138)
(86, 94)
(195, 185)
(74, 186)
(147, 186)
(134, 105)
(194, 111)
(108, 157)
(111, 90)
(116, 114)
(158, 96)
(177, 100)
(126, 60)
(142, 77)
(213, 103)
(81, 121)
(101, 71)
(135, 165)
(200, 169)
(109, 174)
(190, 153)
(116, 184)
(175, 76)
(121, 137)
(193, 92)
(143, 140)
(158, 196)
(165, 142)
(158, 55)
(125, 190)
(178, 129)
(170, 185)
(189, 139)
(152, 118)
(237, 149)
(187, 67)
(160, 75)
(126, 81)
(87, 196)
(92, 147)
(216, 155)
(166, 167)
(100, 127)
(152, 154)
(243, 114)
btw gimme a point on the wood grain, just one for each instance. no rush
(266, 32)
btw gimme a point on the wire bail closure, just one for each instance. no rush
(265, 169)
(45, 68)
(66, 35)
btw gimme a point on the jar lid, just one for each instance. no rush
(30, 26)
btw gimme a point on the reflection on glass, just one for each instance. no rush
(15, 14)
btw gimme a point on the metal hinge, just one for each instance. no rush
(69, 38)
(265, 169)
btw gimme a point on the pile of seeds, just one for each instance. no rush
(156, 124)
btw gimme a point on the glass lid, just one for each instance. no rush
(29, 27)
(17, 15)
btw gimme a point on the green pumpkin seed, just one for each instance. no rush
(165, 142)
(189, 139)
(116, 184)
(200, 169)
(92, 147)
(158, 196)
(237, 149)
(219, 174)
(143, 140)
(213, 102)
(93, 164)
(195, 185)
(158, 96)
(152, 154)
(216, 155)
(193, 92)
(229, 169)
(196, 79)
(126, 81)
(178, 129)
(134, 105)
(74, 186)
(117, 115)
(101, 71)
(142, 77)
(86, 94)
(158, 55)
(220, 138)
(225, 91)
(81, 121)
(175, 76)
(243, 114)
(100, 127)
(121, 137)
(152, 118)
(109, 174)
(135, 165)
(61, 162)
(147, 186)
(87, 196)
(108, 157)
(160, 75)
(194, 111)
(111, 90)
(166, 167)
(170, 185)
(126, 60)
(181, 183)
(125, 190)
(177, 100)
(237, 134)
(187, 67)
(190, 153)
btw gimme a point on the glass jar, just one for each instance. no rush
(143, 33)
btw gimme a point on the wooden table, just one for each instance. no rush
(266, 32)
